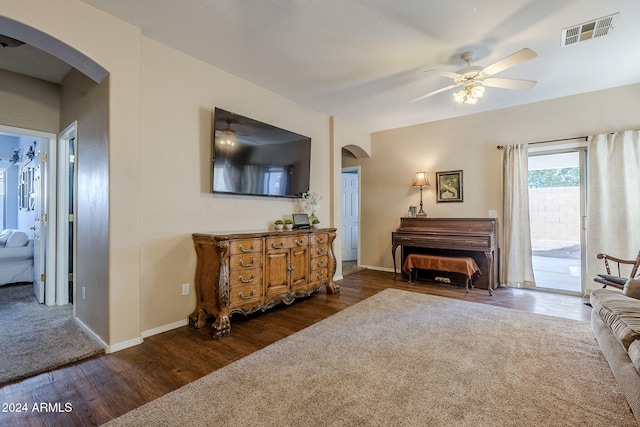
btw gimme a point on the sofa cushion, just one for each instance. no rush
(634, 354)
(17, 239)
(632, 288)
(620, 313)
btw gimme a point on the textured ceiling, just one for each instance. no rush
(363, 60)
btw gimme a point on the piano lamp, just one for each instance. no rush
(421, 181)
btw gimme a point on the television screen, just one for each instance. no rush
(254, 158)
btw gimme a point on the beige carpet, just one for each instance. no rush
(35, 338)
(407, 359)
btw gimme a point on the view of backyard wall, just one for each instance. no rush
(555, 217)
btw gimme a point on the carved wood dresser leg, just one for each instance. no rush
(221, 327)
(198, 318)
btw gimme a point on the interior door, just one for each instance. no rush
(349, 216)
(39, 200)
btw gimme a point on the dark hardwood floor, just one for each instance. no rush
(97, 390)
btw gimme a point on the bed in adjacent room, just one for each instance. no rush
(16, 257)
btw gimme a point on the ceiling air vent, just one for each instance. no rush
(588, 30)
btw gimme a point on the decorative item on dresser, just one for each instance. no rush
(451, 237)
(247, 272)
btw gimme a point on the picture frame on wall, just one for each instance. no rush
(449, 186)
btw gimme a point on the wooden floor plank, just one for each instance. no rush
(107, 386)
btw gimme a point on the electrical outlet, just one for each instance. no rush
(493, 214)
(185, 289)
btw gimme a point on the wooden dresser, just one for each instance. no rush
(247, 272)
(456, 237)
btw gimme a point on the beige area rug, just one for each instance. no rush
(406, 359)
(35, 338)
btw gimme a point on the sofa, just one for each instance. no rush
(16, 257)
(615, 320)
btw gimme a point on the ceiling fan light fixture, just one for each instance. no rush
(469, 95)
(459, 96)
(477, 91)
(471, 100)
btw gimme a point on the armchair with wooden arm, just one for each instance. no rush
(611, 279)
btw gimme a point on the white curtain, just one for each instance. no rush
(516, 258)
(613, 199)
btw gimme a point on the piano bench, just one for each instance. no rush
(462, 265)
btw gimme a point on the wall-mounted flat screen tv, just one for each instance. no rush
(258, 159)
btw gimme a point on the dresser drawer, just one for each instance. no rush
(319, 276)
(319, 262)
(319, 250)
(245, 246)
(319, 239)
(287, 242)
(239, 262)
(245, 294)
(250, 276)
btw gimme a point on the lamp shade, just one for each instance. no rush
(421, 180)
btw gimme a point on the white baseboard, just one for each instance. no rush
(165, 328)
(108, 348)
(124, 344)
(139, 340)
(374, 267)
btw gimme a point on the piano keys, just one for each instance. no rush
(464, 237)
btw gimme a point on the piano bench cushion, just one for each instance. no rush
(463, 265)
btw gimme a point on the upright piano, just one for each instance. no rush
(468, 237)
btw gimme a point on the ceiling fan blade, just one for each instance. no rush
(444, 73)
(510, 61)
(432, 93)
(509, 83)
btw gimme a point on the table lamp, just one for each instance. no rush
(421, 181)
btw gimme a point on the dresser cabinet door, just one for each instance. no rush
(300, 267)
(276, 271)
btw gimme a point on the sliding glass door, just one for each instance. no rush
(556, 202)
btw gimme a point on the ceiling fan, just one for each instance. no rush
(474, 79)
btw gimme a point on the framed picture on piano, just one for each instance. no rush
(449, 186)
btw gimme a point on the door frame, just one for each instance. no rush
(49, 178)
(579, 147)
(62, 251)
